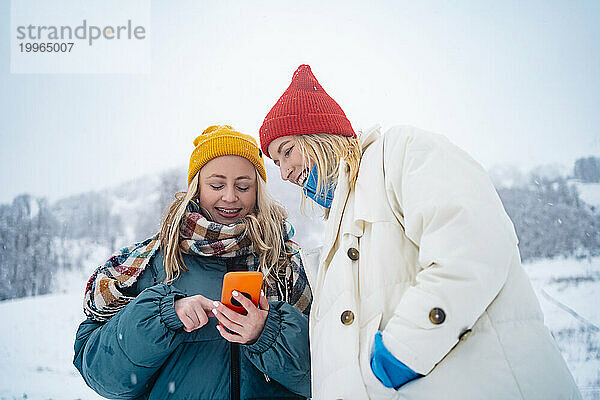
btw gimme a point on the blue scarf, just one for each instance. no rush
(325, 197)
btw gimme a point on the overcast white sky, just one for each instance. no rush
(510, 82)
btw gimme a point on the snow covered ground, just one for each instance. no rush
(37, 334)
(36, 345)
(569, 293)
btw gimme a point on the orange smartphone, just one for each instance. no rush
(247, 283)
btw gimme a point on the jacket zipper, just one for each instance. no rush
(234, 350)
(234, 388)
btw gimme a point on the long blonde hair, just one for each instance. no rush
(326, 151)
(264, 227)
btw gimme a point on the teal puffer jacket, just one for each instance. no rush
(143, 352)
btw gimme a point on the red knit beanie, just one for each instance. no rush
(303, 108)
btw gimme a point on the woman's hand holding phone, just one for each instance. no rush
(193, 311)
(244, 329)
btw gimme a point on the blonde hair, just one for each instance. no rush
(326, 150)
(264, 227)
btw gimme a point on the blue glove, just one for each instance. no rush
(389, 370)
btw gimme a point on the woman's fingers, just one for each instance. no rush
(201, 316)
(229, 313)
(245, 302)
(183, 312)
(206, 304)
(192, 311)
(188, 323)
(244, 329)
(262, 302)
(239, 325)
(229, 336)
(230, 319)
(227, 323)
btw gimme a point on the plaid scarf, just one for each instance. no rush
(109, 289)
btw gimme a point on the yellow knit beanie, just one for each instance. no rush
(222, 140)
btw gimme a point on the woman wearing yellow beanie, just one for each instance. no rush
(149, 331)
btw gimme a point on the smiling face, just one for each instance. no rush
(287, 155)
(227, 187)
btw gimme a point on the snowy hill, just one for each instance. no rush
(38, 332)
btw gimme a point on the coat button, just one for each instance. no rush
(353, 253)
(464, 334)
(347, 317)
(437, 316)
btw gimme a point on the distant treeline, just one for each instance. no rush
(551, 220)
(587, 169)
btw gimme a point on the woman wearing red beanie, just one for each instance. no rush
(419, 293)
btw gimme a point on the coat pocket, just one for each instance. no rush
(375, 388)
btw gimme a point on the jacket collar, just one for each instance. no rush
(367, 196)
(370, 190)
(338, 205)
(369, 136)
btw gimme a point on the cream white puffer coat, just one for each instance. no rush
(424, 229)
